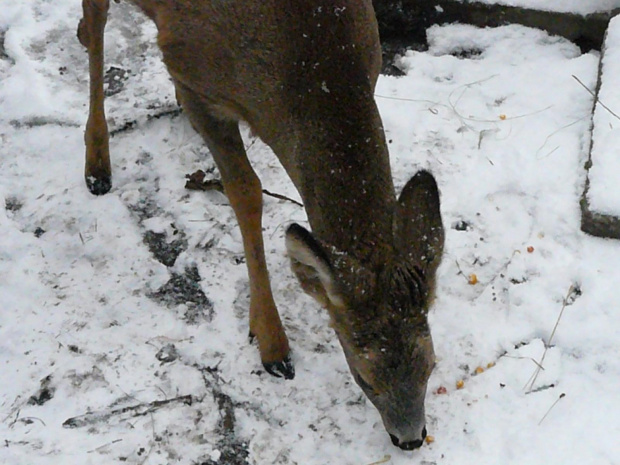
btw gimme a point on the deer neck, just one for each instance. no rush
(345, 181)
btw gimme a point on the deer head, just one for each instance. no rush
(379, 312)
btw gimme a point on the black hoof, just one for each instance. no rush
(99, 186)
(283, 369)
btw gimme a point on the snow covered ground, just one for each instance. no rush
(97, 323)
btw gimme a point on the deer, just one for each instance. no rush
(302, 75)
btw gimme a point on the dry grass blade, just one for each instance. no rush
(385, 459)
(596, 99)
(573, 292)
(553, 405)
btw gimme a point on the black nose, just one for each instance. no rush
(409, 445)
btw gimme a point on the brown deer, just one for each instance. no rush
(302, 74)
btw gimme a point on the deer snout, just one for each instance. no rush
(409, 445)
(405, 422)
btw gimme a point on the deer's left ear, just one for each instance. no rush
(312, 266)
(419, 230)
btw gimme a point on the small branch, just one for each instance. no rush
(133, 410)
(17, 411)
(196, 181)
(501, 270)
(97, 449)
(543, 388)
(29, 420)
(458, 267)
(166, 111)
(282, 197)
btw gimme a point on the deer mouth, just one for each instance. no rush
(409, 445)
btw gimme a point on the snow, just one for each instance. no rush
(495, 114)
(581, 7)
(603, 196)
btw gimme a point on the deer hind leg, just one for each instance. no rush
(98, 172)
(243, 189)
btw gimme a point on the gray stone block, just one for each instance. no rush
(600, 203)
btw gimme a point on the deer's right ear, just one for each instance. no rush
(312, 266)
(419, 229)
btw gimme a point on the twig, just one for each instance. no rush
(502, 269)
(134, 410)
(573, 292)
(133, 124)
(251, 144)
(596, 99)
(17, 411)
(458, 267)
(554, 404)
(29, 420)
(97, 449)
(148, 454)
(282, 197)
(196, 181)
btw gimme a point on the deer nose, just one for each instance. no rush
(409, 445)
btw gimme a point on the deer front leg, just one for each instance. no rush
(243, 189)
(98, 172)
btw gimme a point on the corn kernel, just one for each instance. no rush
(441, 390)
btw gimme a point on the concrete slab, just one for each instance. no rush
(600, 204)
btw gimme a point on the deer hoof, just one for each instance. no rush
(284, 369)
(99, 185)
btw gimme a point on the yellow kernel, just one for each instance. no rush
(479, 370)
(430, 439)
(502, 117)
(490, 364)
(473, 279)
(460, 384)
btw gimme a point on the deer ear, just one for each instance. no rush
(311, 263)
(419, 230)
